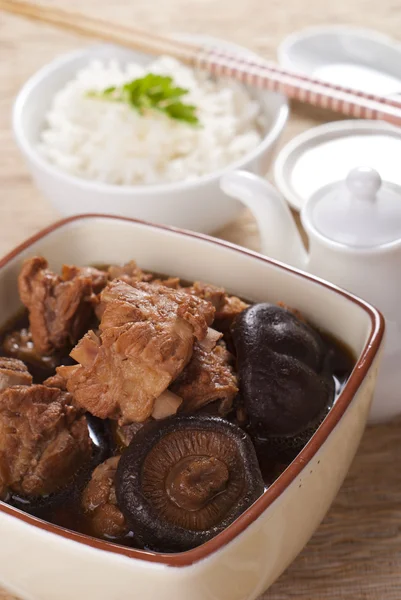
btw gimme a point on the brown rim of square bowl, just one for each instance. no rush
(359, 372)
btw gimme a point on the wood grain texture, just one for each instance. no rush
(356, 552)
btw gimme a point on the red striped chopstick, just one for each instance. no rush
(259, 74)
(391, 101)
(268, 76)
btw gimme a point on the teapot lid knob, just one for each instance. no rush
(364, 183)
(361, 212)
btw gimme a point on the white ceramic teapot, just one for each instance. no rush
(354, 230)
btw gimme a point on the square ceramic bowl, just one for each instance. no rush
(198, 204)
(40, 561)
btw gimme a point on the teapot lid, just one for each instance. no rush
(361, 212)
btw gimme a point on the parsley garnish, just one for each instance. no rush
(152, 92)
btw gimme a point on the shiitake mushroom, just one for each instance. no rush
(281, 360)
(185, 479)
(274, 452)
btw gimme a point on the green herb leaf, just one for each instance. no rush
(152, 92)
(182, 112)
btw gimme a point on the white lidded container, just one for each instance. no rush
(326, 153)
(354, 231)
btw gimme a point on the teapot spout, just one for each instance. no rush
(279, 235)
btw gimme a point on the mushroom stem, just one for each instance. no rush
(196, 480)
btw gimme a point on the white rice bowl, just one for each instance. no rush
(113, 143)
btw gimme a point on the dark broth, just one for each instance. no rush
(64, 509)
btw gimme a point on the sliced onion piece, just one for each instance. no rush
(211, 339)
(166, 404)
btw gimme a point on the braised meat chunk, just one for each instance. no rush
(171, 282)
(147, 333)
(156, 303)
(13, 372)
(130, 273)
(209, 376)
(100, 503)
(207, 291)
(227, 307)
(56, 381)
(44, 440)
(232, 307)
(59, 306)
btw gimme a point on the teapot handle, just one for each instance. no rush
(279, 235)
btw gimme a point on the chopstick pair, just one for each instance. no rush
(259, 74)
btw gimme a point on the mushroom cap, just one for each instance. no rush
(281, 371)
(185, 479)
(281, 449)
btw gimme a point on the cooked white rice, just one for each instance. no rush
(111, 142)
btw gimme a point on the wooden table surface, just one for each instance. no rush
(356, 552)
